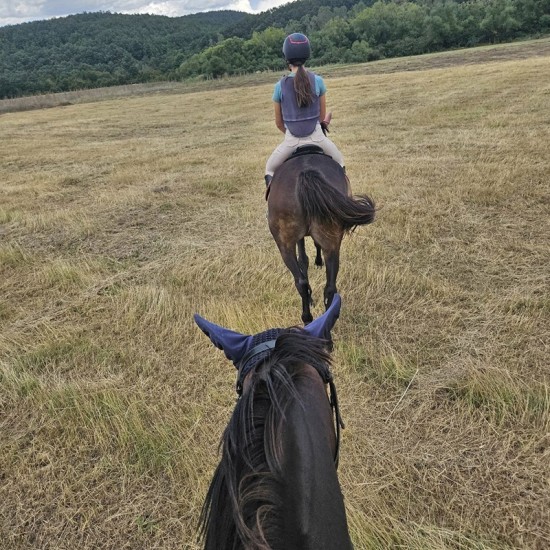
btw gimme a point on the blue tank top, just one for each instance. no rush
(300, 121)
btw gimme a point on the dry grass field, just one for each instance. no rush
(121, 218)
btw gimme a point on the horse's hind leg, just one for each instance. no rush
(318, 257)
(303, 260)
(329, 239)
(288, 254)
(332, 262)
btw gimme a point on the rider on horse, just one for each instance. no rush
(300, 107)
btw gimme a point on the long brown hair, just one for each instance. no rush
(302, 86)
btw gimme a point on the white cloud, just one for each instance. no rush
(16, 9)
(174, 8)
(264, 5)
(19, 11)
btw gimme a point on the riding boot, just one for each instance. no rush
(268, 179)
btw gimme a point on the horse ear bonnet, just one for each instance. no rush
(237, 346)
(321, 327)
(247, 351)
(233, 344)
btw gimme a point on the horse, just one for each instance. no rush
(310, 195)
(276, 485)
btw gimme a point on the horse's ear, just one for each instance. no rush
(321, 327)
(233, 344)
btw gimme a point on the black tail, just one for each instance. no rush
(324, 204)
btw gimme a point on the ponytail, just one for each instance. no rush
(302, 87)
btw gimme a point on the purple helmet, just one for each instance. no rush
(296, 46)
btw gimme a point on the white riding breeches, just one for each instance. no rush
(290, 143)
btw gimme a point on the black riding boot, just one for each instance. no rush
(268, 179)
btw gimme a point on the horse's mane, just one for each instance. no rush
(243, 504)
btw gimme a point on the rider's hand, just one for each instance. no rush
(324, 127)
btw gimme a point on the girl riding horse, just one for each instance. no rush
(300, 107)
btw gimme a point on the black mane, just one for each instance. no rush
(243, 504)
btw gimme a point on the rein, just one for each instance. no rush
(338, 422)
(246, 365)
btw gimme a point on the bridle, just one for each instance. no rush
(246, 365)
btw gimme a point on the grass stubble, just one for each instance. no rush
(121, 218)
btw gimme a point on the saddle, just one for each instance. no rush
(307, 150)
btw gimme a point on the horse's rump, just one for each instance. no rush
(311, 196)
(326, 205)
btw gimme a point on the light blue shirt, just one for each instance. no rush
(320, 88)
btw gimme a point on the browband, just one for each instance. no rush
(245, 368)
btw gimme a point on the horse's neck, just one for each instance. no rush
(313, 506)
(300, 495)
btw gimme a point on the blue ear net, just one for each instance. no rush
(321, 327)
(234, 344)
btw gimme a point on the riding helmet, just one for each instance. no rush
(296, 46)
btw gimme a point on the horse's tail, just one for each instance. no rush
(322, 203)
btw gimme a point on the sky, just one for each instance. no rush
(13, 12)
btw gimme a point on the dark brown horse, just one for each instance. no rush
(310, 195)
(276, 487)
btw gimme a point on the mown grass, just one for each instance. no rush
(504, 398)
(121, 218)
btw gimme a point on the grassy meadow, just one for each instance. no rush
(120, 218)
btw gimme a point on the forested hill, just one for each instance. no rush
(102, 49)
(368, 30)
(293, 14)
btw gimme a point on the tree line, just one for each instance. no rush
(103, 49)
(91, 50)
(373, 30)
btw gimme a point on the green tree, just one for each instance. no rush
(215, 67)
(360, 52)
(443, 28)
(395, 29)
(533, 15)
(499, 21)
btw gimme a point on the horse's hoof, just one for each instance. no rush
(318, 266)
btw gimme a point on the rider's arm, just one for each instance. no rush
(323, 106)
(279, 117)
